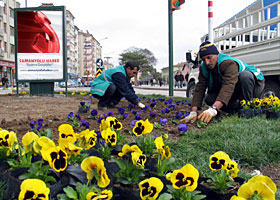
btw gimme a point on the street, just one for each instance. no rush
(145, 90)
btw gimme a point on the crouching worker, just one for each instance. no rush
(113, 84)
(228, 81)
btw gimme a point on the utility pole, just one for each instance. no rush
(172, 6)
(170, 39)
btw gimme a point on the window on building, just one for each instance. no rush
(11, 12)
(12, 31)
(5, 9)
(5, 27)
(5, 47)
(12, 49)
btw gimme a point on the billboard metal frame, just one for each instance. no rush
(63, 45)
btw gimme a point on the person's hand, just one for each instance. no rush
(207, 115)
(191, 117)
(141, 105)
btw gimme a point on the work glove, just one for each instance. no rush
(141, 105)
(191, 117)
(207, 115)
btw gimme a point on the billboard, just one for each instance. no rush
(40, 43)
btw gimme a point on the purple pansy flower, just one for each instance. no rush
(70, 115)
(153, 104)
(125, 115)
(121, 110)
(100, 119)
(84, 123)
(182, 128)
(94, 112)
(32, 124)
(169, 101)
(145, 108)
(162, 121)
(40, 123)
(178, 102)
(78, 117)
(133, 123)
(138, 117)
(153, 114)
(110, 113)
(134, 112)
(172, 106)
(130, 106)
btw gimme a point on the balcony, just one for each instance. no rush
(1, 33)
(1, 53)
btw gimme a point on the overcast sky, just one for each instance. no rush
(144, 24)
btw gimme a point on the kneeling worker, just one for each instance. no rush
(228, 80)
(113, 84)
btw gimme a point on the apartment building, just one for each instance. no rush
(89, 52)
(72, 44)
(7, 39)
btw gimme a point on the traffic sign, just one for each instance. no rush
(99, 62)
(98, 72)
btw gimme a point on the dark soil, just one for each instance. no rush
(17, 111)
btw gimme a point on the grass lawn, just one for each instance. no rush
(253, 143)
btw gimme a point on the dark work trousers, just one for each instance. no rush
(246, 88)
(111, 96)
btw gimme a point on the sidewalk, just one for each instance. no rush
(143, 89)
(5, 91)
(157, 87)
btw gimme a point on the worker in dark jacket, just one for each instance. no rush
(228, 81)
(113, 84)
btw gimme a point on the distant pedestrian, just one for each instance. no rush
(152, 81)
(79, 81)
(179, 78)
(186, 70)
(160, 81)
(5, 82)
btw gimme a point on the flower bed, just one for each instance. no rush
(93, 156)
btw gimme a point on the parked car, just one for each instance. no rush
(70, 84)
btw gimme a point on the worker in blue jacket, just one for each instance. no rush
(113, 84)
(227, 81)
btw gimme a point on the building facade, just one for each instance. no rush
(7, 39)
(72, 44)
(89, 52)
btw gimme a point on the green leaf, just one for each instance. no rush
(70, 192)
(49, 133)
(120, 163)
(62, 197)
(165, 196)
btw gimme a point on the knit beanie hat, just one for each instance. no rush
(207, 48)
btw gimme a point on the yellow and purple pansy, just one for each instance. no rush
(105, 195)
(187, 177)
(163, 150)
(142, 127)
(150, 188)
(219, 161)
(66, 132)
(33, 189)
(94, 167)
